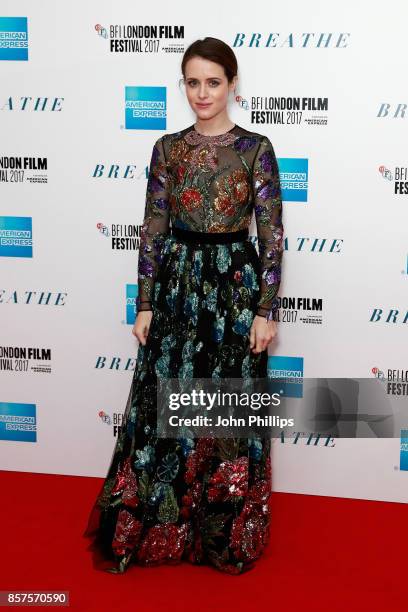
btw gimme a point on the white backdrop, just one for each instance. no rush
(81, 321)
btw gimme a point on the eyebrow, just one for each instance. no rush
(208, 79)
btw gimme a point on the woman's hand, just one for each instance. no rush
(142, 325)
(261, 333)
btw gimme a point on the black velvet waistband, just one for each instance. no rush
(209, 237)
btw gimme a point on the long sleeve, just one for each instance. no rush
(155, 226)
(268, 216)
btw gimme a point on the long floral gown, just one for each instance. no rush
(202, 500)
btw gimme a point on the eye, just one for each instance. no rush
(191, 83)
(214, 83)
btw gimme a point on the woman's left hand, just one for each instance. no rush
(262, 332)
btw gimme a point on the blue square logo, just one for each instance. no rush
(131, 295)
(286, 375)
(404, 450)
(294, 179)
(16, 237)
(145, 108)
(13, 38)
(18, 422)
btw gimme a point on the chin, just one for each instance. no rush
(205, 113)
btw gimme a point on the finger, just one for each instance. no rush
(145, 334)
(252, 337)
(139, 336)
(259, 342)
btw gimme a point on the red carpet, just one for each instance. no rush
(326, 553)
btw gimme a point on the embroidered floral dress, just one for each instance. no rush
(202, 500)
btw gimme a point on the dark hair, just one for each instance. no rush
(215, 50)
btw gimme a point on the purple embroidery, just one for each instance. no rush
(155, 184)
(266, 160)
(266, 191)
(244, 143)
(272, 253)
(158, 242)
(272, 277)
(145, 267)
(155, 156)
(236, 295)
(161, 203)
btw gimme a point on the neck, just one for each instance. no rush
(214, 126)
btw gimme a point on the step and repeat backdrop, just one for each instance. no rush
(86, 88)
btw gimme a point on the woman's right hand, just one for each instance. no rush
(142, 324)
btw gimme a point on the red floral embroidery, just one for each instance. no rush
(233, 190)
(250, 530)
(191, 198)
(126, 483)
(230, 480)
(181, 170)
(163, 542)
(127, 533)
(249, 533)
(238, 181)
(198, 458)
(191, 500)
(223, 204)
(260, 492)
(173, 203)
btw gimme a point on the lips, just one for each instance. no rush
(203, 105)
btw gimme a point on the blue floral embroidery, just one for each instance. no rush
(218, 329)
(145, 458)
(249, 277)
(243, 323)
(223, 258)
(191, 307)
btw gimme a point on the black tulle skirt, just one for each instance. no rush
(201, 500)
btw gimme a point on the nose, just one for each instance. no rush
(202, 93)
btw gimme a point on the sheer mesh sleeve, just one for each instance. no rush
(155, 226)
(268, 216)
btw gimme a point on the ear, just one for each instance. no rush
(233, 83)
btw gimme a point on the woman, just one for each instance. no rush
(206, 307)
